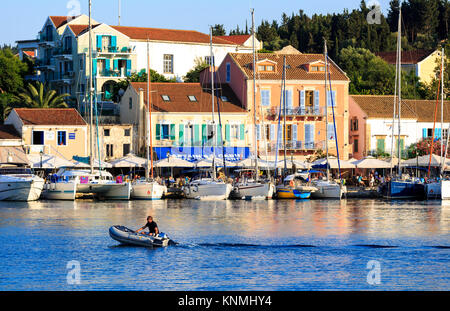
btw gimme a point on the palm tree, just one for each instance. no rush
(39, 96)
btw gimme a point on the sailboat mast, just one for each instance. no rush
(255, 140)
(212, 64)
(284, 113)
(91, 91)
(442, 113)
(149, 121)
(326, 106)
(399, 65)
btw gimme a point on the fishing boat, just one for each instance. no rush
(127, 236)
(400, 187)
(207, 186)
(295, 186)
(254, 188)
(148, 189)
(19, 184)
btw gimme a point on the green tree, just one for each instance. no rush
(194, 74)
(218, 30)
(12, 71)
(39, 96)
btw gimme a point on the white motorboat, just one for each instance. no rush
(19, 184)
(99, 182)
(445, 190)
(327, 190)
(207, 189)
(57, 189)
(143, 190)
(253, 190)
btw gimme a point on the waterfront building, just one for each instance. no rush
(11, 146)
(371, 123)
(182, 120)
(62, 50)
(115, 141)
(422, 62)
(56, 131)
(305, 101)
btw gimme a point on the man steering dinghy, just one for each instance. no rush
(152, 227)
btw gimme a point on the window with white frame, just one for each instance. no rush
(234, 131)
(168, 63)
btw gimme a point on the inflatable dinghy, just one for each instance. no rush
(127, 236)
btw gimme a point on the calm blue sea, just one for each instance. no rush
(265, 245)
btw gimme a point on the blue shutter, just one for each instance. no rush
(331, 132)
(272, 132)
(302, 100)
(294, 132)
(113, 41)
(438, 134)
(424, 133)
(316, 102)
(265, 98)
(289, 99)
(307, 135)
(94, 67)
(258, 132)
(311, 135)
(228, 72)
(107, 65)
(116, 64)
(128, 67)
(99, 42)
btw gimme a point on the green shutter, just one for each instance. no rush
(219, 135)
(181, 134)
(227, 132)
(172, 132)
(242, 131)
(158, 131)
(196, 134)
(204, 134)
(380, 145)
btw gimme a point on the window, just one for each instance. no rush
(130, 103)
(288, 132)
(265, 98)
(331, 132)
(62, 138)
(380, 145)
(165, 131)
(81, 64)
(354, 124)
(38, 137)
(210, 60)
(126, 149)
(317, 68)
(234, 131)
(127, 132)
(192, 98)
(109, 150)
(168, 63)
(165, 98)
(189, 134)
(224, 99)
(106, 132)
(309, 99)
(355, 145)
(269, 68)
(430, 133)
(444, 133)
(228, 72)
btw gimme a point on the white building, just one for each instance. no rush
(371, 123)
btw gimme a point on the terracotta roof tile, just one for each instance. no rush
(238, 39)
(296, 66)
(59, 21)
(8, 132)
(50, 116)
(382, 107)
(408, 57)
(80, 29)
(179, 100)
(157, 34)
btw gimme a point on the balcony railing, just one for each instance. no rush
(297, 111)
(295, 145)
(112, 50)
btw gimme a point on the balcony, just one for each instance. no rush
(296, 112)
(112, 50)
(120, 73)
(65, 78)
(63, 54)
(46, 41)
(45, 64)
(294, 145)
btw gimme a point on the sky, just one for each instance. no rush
(22, 20)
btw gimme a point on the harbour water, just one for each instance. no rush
(228, 245)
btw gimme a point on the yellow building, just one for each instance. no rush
(56, 131)
(422, 62)
(182, 120)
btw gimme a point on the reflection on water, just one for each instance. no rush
(291, 245)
